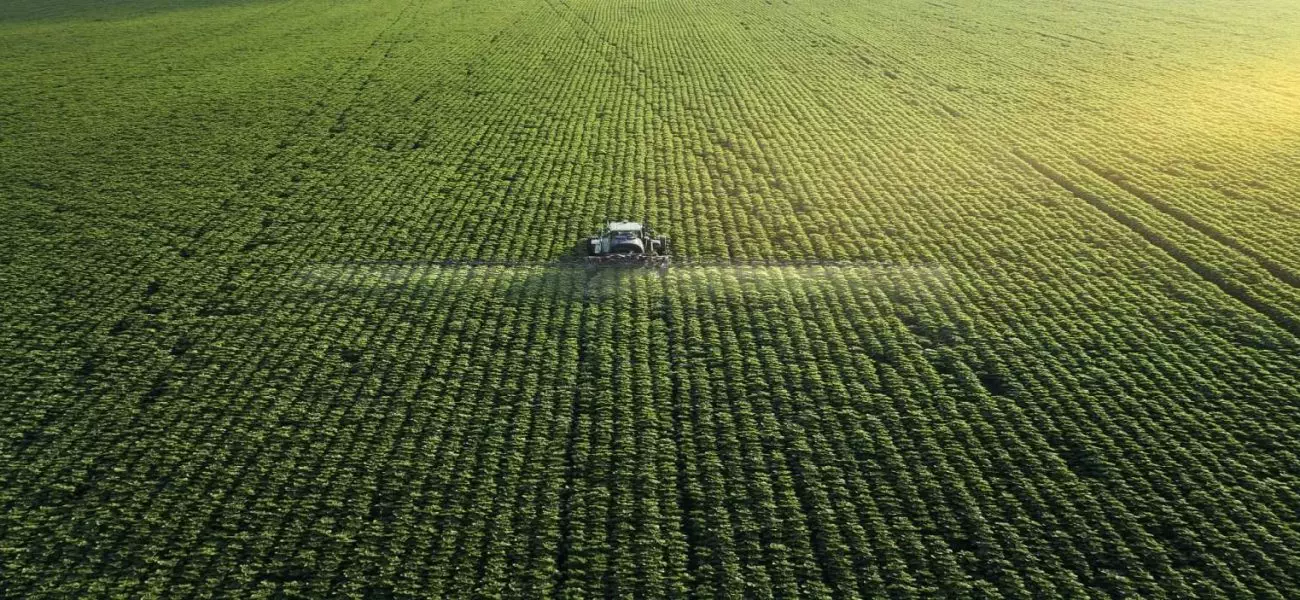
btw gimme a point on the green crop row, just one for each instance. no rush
(959, 307)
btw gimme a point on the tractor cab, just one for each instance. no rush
(625, 238)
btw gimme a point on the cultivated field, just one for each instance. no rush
(970, 300)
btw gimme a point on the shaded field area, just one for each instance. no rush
(995, 302)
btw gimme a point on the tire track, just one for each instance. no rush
(1122, 182)
(1279, 317)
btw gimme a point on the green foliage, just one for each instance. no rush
(987, 301)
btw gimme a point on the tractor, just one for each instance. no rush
(627, 243)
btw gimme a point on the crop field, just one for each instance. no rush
(968, 300)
